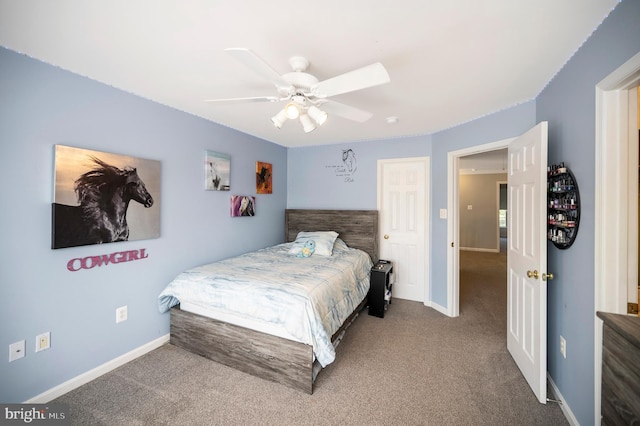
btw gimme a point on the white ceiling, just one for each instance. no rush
(450, 61)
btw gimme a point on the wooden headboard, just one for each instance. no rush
(357, 228)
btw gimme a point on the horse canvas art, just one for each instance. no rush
(102, 211)
(263, 178)
(243, 205)
(217, 168)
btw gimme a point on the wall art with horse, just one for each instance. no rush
(103, 198)
(264, 173)
(217, 167)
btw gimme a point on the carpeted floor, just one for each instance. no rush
(414, 367)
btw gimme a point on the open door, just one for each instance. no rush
(527, 257)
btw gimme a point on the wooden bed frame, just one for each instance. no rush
(263, 355)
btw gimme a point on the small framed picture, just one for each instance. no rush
(263, 178)
(243, 205)
(217, 169)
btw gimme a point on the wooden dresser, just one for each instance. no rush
(620, 369)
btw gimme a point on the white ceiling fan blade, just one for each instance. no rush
(361, 78)
(254, 62)
(244, 100)
(345, 111)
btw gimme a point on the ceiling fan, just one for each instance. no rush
(306, 96)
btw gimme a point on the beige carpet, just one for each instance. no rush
(414, 367)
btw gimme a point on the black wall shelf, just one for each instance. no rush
(563, 206)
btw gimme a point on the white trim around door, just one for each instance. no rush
(611, 246)
(453, 223)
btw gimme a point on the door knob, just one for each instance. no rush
(533, 274)
(546, 276)
(386, 236)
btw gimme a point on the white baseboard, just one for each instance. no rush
(93, 374)
(566, 410)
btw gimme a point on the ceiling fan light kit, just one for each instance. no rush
(310, 117)
(305, 93)
(307, 123)
(317, 114)
(279, 119)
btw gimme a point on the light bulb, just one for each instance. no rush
(292, 111)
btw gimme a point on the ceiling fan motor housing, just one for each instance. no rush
(301, 82)
(299, 63)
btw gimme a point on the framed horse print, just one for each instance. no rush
(217, 169)
(243, 205)
(264, 172)
(103, 198)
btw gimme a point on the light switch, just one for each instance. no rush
(443, 213)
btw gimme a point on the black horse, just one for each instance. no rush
(103, 194)
(262, 179)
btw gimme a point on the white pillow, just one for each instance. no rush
(340, 245)
(324, 242)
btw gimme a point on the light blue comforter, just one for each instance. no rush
(310, 297)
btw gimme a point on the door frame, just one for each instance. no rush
(453, 224)
(611, 252)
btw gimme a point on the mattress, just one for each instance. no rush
(229, 317)
(273, 291)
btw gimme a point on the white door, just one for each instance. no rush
(403, 218)
(527, 257)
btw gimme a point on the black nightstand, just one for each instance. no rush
(380, 289)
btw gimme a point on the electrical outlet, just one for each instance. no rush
(563, 347)
(43, 341)
(121, 314)
(16, 350)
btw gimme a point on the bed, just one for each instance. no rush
(278, 352)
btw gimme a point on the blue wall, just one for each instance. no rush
(568, 104)
(42, 106)
(318, 178)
